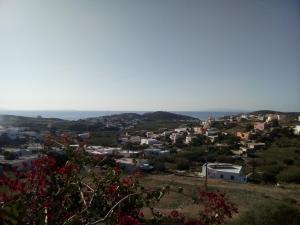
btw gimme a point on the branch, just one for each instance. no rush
(112, 209)
(88, 186)
(81, 194)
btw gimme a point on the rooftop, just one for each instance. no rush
(225, 167)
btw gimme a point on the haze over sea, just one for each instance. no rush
(76, 115)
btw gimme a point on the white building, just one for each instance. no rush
(166, 133)
(129, 154)
(22, 163)
(35, 147)
(149, 141)
(256, 145)
(135, 139)
(281, 117)
(212, 134)
(176, 136)
(261, 117)
(17, 152)
(224, 171)
(271, 117)
(151, 134)
(198, 130)
(84, 135)
(189, 139)
(297, 130)
(131, 165)
(244, 116)
(99, 150)
(260, 126)
(155, 152)
(181, 130)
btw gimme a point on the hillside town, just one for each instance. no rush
(217, 148)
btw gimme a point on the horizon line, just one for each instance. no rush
(141, 110)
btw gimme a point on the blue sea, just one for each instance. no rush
(76, 115)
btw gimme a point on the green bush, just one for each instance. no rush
(268, 177)
(270, 213)
(159, 166)
(9, 155)
(183, 165)
(255, 178)
(288, 161)
(290, 175)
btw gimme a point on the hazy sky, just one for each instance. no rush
(150, 55)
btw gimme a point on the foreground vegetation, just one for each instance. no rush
(253, 201)
(92, 190)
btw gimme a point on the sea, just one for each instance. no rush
(76, 115)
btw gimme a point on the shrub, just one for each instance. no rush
(290, 175)
(225, 159)
(183, 165)
(270, 213)
(288, 161)
(255, 178)
(9, 155)
(268, 177)
(159, 166)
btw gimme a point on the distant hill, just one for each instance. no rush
(41, 123)
(121, 116)
(153, 116)
(127, 116)
(21, 119)
(161, 115)
(32, 122)
(264, 112)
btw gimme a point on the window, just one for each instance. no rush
(232, 177)
(221, 176)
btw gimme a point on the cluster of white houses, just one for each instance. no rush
(19, 132)
(18, 157)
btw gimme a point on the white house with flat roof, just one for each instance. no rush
(181, 130)
(131, 165)
(224, 171)
(99, 150)
(149, 141)
(155, 152)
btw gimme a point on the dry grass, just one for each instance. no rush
(245, 196)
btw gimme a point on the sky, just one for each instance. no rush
(150, 55)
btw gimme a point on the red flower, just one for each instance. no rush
(128, 181)
(127, 220)
(174, 213)
(25, 164)
(113, 189)
(117, 170)
(68, 169)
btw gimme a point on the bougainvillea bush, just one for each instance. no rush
(86, 190)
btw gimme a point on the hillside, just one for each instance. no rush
(95, 123)
(165, 116)
(264, 112)
(153, 116)
(22, 121)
